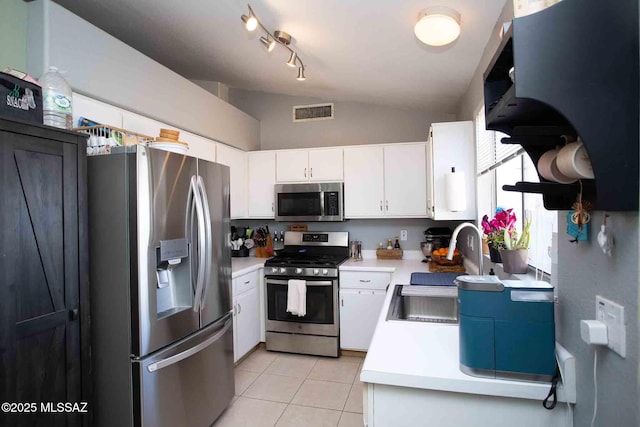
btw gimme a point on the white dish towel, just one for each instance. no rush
(297, 297)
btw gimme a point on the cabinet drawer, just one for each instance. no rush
(364, 279)
(245, 282)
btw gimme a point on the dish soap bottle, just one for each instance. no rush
(397, 245)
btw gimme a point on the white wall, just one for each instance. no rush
(13, 34)
(354, 123)
(102, 67)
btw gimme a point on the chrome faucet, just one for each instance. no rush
(454, 241)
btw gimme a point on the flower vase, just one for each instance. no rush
(494, 255)
(515, 261)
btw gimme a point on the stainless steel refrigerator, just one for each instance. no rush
(161, 324)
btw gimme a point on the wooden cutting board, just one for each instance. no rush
(437, 268)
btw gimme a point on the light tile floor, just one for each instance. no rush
(290, 390)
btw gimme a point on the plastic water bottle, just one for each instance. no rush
(56, 99)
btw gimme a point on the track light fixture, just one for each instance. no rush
(251, 22)
(268, 42)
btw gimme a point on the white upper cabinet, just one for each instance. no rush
(326, 164)
(451, 145)
(96, 111)
(236, 160)
(385, 181)
(292, 166)
(309, 165)
(140, 124)
(363, 182)
(199, 147)
(262, 178)
(405, 180)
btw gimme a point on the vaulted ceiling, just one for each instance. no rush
(360, 51)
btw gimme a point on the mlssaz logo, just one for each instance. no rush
(26, 102)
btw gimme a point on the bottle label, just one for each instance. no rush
(57, 102)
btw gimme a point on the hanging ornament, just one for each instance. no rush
(605, 238)
(578, 218)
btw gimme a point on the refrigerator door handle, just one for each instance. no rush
(208, 240)
(194, 199)
(191, 351)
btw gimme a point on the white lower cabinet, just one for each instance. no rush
(359, 311)
(362, 295)
(246, 314)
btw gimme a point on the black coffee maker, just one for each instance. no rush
(435, 238)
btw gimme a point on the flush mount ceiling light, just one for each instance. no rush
(251, 22)
(437, 26)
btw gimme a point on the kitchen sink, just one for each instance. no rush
(436, 304)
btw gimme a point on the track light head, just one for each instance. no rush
(250, 22)
(268, 42)
(301, 76)
(292, 60)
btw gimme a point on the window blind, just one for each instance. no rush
(490, 151)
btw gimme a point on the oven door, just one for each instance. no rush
(322, 308)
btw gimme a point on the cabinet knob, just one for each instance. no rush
(305, 172)
(73, 314)
(239, 308)
(273, 207)
(387, 204)
(311, 172)
(380, 205)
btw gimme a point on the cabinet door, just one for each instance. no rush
(40, 272)
(292, 166)
(405, 180)
(199, 147)
(236, 160)
(248, 321)
(359, 312)
(141, 124)
(326, 165)
(262, 177)
(363, 182)
(453, 146)
(95, 110)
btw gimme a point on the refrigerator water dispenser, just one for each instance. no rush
(173, 275)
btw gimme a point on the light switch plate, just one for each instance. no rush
(403, 235)
(612, 314)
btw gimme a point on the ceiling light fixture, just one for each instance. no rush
(437, 26)
(301, 76)
(250, 22)
(282, 38)
(268, 42)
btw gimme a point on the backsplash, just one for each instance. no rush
(369, 231)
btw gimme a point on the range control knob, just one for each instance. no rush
(316, 271)
(283, 270)
(325, 271)
(298, 271)
(274, 269)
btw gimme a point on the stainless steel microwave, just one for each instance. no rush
(309, 202)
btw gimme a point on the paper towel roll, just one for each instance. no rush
(455, 191)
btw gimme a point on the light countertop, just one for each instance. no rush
(425, 355)
(244, 265)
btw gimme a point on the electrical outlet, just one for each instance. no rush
(612, 314)
(403, 234)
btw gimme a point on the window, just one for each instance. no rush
(505, 164)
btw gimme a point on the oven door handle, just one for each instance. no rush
(309, 282)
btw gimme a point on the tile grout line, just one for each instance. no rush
(296, 392)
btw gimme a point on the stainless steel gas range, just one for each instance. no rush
(313, 257)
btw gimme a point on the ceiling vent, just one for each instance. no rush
(307, 113)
